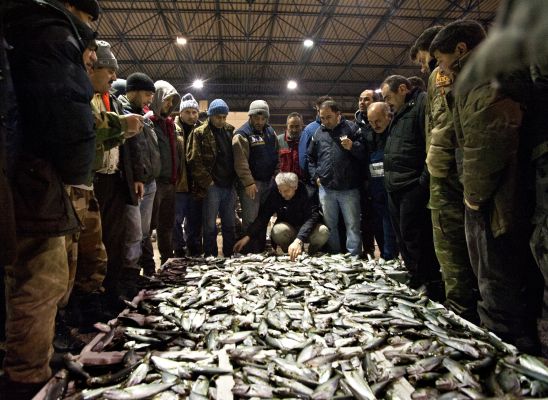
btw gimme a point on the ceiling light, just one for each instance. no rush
(198, 84)
(378, 90)
(308, 43)
(292, 85)
(181, 41)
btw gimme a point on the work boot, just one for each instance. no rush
(64, 340)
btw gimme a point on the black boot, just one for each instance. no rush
(10, 390)
(64, 340)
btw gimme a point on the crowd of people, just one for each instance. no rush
(446, 178)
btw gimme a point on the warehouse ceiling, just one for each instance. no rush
(250, 49)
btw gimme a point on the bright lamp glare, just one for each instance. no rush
(198, 84)
(308, 43)
(181, 41)
(292, 85)
(378, 90)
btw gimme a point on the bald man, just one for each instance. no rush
(379, 117)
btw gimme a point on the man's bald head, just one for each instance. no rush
(379, 116)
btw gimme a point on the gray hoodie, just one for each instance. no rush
(168, 156)
(163, 91)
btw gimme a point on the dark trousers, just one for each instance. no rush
(413, 229)
(367, 226)
(111, 192)
(187, 231)
(163, 216)
(382, 226)
(502, 266)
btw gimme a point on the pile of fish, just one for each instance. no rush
(262, 327)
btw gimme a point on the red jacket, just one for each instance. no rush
(289, 155)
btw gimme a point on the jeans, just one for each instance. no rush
(187, 230)
(138, 226)
(382, 226)
(219, 201)
(182, 212)
(348, 202)
(250, 210)
(163, 215)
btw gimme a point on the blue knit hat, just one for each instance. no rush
(217, 107)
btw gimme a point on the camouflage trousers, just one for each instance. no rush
(35, 284)
(87, 257)
(461, 288)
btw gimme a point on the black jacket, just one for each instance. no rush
(337, 168)
(55, 138)
(147, 145)
(301, 212)
(405, 149)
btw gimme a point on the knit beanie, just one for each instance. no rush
(105, 58)
(139, 81)
(259, 107)
(88, 6)
(217, 107)
(188, 101)
(119, 87)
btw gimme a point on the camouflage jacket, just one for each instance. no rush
(201, 157)
(440, 132)
(487, 125)
(109, 129)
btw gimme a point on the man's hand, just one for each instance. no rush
(240, 244)
(346, 143)
(139, 188)
(318, 182)
(251, 191)
(295, 249)
(134, 125)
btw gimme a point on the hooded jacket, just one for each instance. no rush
(55, 136)
(164, 127)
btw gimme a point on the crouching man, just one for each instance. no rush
(298, 218)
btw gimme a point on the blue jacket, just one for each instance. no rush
(304, 141)
(337, 168)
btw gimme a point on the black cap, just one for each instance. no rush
(139, 81)
(88, 6)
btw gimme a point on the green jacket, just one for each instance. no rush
(201, 156)
(487, 126)
(109, 129)
(440, 132)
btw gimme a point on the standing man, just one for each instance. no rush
(165, 101)
(211, 162)
(406, 181)
(367, 97)
(118, 181)
(379, 117)
(140, 90)
(304, 142)
(46, 61)
(335, 158)
(256, 162)
(288, 144)
(497, 218)
(188, 210)
(446, 194)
